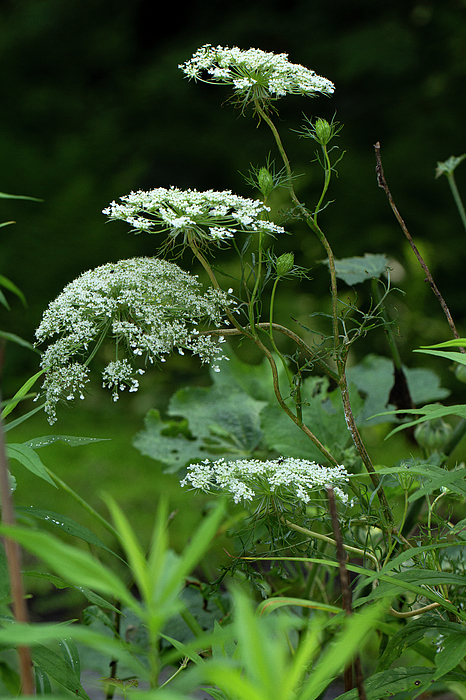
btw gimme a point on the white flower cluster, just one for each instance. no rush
(247, 479)
(146, 306)
(209, 216)
(255, 74)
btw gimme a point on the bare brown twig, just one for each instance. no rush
(347, 598)
(383, 184)
(13, 557)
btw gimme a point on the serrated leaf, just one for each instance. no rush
(359, 269)
(175, 452)
(220, 422)
(254, 380)
(62, 522)
(27, 457)
(234, 412)
(323, 414)
(374, 378)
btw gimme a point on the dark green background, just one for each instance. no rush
(93, 106)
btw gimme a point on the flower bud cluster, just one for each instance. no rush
(211, 217)
(254, 74)
(146, 307)
(246, 480)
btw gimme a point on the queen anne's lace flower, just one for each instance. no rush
(146, 306)
(247, 479)
(208, 216)
(254, 74)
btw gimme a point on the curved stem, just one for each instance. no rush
(288, 411)
(330, 540)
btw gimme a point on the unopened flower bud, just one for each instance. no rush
(460, 373)
(284, 264)
(433, 434)
(265, 181)
(323, 131)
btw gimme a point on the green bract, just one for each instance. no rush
(147, 307)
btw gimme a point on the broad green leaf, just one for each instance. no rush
(62, 522)
(374, 378)
(220, 422)
(55, 667)
(174, 452)
(322, 412)
(72, 564)
(235, 413)
(27, 457)
(254, 380)
(359, 269)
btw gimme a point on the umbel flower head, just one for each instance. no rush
(254, 74)
(210, 217)
(249, 479)
(147, 307)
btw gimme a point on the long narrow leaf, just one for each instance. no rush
(72, 564)
(62, 522)
(29, 459)
(21, 393)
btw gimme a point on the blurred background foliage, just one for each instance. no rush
(94, 106)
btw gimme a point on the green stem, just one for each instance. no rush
(256, 284)
(387, 326)
(456, 197)
(361, 448)
(330, 540)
